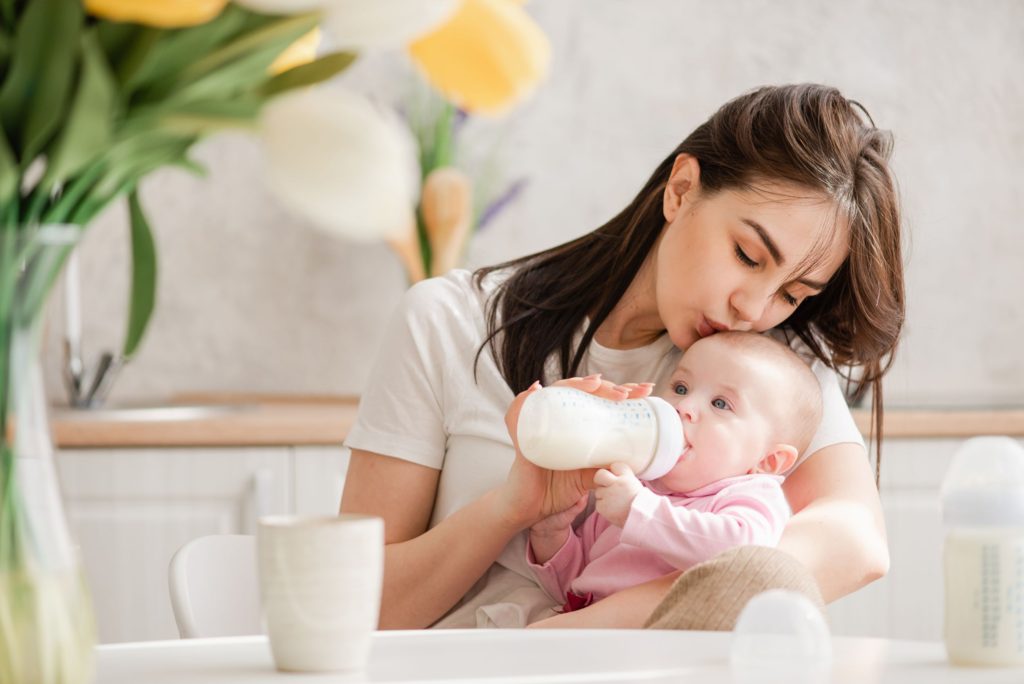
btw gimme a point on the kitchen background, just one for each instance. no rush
(252, 299)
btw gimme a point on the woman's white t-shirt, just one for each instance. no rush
(423, 404)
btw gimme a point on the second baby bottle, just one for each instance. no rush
(565, 429)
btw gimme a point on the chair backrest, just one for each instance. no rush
(214, 587)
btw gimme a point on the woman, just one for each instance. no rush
(777, 214)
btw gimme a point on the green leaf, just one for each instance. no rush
(90, 124)
(307, 74)
(177, 49)
(116, 38)
(143, 294)
(241, 64)
(195, 118)
(7, 13)
(34, 95)
(132, 158)
(9, 176)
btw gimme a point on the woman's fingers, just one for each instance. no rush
(598, 386)
(512, 415)
(639, 390)
(587, 384)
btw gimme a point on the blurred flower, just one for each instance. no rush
(281, 6)
(486, 58)
(161, 13)
(333, 156)
(362, 24)
(459, 196)
(302, 51)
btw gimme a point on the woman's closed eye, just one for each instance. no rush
(788, 298)
(744, 259)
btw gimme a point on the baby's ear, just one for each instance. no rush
(780, 459)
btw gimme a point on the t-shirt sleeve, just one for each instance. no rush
(401, 411)
(837, 424)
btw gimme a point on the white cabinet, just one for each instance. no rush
(131, 509)
(908, 602)
(319, 475)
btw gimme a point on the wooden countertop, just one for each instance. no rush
(943, 422)
(277, 420)
(210, 420)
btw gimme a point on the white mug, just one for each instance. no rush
(320, 586)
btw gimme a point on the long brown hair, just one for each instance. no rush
(807, 135)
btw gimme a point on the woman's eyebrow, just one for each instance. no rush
(776, 255)
(769, 244)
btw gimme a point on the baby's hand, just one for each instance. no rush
(616, 488)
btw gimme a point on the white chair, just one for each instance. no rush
(214, 587)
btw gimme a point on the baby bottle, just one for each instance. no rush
(983, 513)
(564, 429)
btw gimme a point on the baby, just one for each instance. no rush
(749, 407)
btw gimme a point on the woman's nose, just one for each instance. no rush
(748, 305)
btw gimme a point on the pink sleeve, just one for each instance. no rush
(745, 513)
(557, 575)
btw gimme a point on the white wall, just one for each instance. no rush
(251, 299)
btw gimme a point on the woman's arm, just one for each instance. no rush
(837, 530)
(425, 572)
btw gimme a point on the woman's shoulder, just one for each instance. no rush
(457, 289)
(794, 342)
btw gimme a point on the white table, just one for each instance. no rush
(528, 656)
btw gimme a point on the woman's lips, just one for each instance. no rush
(708, 327)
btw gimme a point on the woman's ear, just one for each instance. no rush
(780, 459)
(684, 181)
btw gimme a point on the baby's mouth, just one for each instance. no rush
(687, 454)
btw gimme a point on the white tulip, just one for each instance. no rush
(281, 6)
(335, 158)
(361, 24)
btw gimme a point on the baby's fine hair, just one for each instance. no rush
(799, 404)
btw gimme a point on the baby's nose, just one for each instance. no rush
(687, 411)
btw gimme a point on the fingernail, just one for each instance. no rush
(535, 385)
(592, 377)
(647, 384)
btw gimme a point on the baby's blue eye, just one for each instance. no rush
(680, 389)
(720, 404)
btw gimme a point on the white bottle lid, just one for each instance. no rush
(670, 440)
(984, 484)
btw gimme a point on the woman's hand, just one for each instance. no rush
(532, 493)
(549, 534)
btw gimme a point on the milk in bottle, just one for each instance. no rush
(563, 429)
(983, 513)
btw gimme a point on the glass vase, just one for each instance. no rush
(47, 628)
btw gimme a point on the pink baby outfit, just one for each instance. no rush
(665, 532)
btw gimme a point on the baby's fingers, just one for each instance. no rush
(603, 478)
(620, 469)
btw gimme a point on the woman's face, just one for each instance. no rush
(734, 260)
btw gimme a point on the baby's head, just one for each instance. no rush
(748, 404)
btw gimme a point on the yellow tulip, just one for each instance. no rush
(160, 13)
(302, 51)
(487, 57)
